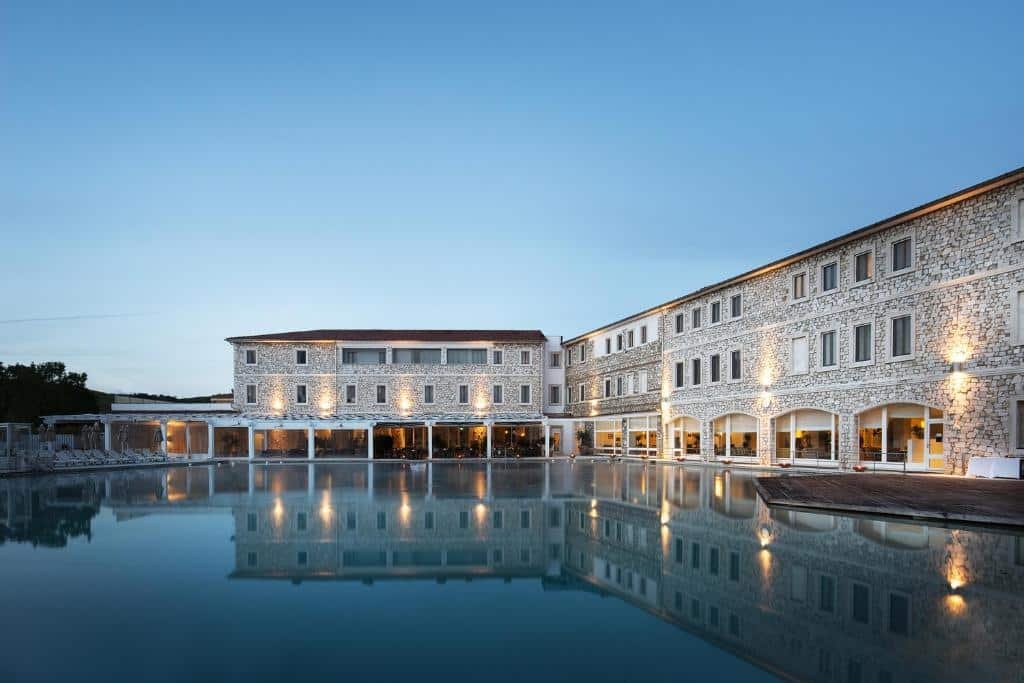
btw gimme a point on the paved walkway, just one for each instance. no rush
(983, 501)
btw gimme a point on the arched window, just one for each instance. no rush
(804, 435)
(735, 436)
(902, 434)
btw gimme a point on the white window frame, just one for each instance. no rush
(1015, 339)
(889, 336)
(711, 305)
(630, 338)
(304, 387)
(793, 299)
(355, 395)
(499, 394)
(643, 381)
(854, 363)
(529, 394)
(552, 390)
(890, 271)
(677, 381)
(728, 377)
(458, 395)
(697, 314)
(679, 320)
(255, 356)
(607, 387)
(255, 394)
(555, 359)
(583, 352)
(305, 351)
(620, 342)
(527, 355)
(817, 349)
(643, 335)
(620, 386)
(721, 368)
(731, 297)
(1014, 426)
(433, 394)
(698, 363)
(376, 394)
(1017, 217)
(821, 277)
(807, 361)
(607, 346)
(853, 266)
(583, 393)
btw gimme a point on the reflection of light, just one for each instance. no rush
(764, 558)
(325, 509)
(481, 513)
(403, 512)
(955, 604)
(278, 511)
(593, 502)
(719, 488)
(765, 536)
(665, 512)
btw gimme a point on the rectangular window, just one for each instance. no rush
(643, 381)
(466, 357)
(364, 356)
(568, 395)
(251, 521)
(829, 276)
(428, 393)
(736, 305)
(1019, 425)
(902, 255)
(250, 394)
(524, 393)
(629, 339)
(618, 386)
(618, 342)
(695, 556)
(250, 356)
(302, 558)
(382, 393)
(428, 520)
(251, 559)
(524, 358)
(496, 394)
(463, 394)
(643, 334)
(524, 519)
(300, 394)
(301, 357)
(608, 345)
(607, 388)
(554, 518)
(497, 519)
(679, 323)
(680, 374)
(496, 357)
(902, 337)
(899, 614)
(716, 312)
(799, 286)
(798, 349)
(556, 359)
(735, 364)
(300, 521)
(713, 561)
(382, 520)
(860, 603)
(350, 393)
(827, 594)
(555, 395)
(695, 371)
(583, 352)
(734, 566)
(828, 349)
(864, 266)
(464, 519)
(350, 520)
(679, 551)
(862, 340)
(583, 392)
(416, 356)
(695, 318)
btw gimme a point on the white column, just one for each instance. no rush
(163, 435)
(430, 440)
(188, 441)
(369, 480)
(106, 436)
(430, 480)
(369, 442)
(310, 480)
(547, 440)
(489, 426)
(210, 488)
(310, 442)
(252, 479)
(209, 440)
(487, 494)
(252, 442)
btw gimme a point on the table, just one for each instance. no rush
(993, 468)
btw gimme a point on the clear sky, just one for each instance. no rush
(175, 173)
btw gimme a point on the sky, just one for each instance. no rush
(172, 174)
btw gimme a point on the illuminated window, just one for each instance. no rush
(301, 396)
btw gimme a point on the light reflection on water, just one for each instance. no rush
(706, 580)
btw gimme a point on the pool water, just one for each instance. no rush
(588, 571)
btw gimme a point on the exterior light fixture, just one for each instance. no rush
(956, 366)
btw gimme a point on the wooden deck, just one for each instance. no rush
(928, 497)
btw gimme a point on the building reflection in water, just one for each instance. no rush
(807, 595)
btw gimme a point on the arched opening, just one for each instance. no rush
(685, 435)
(902, 435)
(734, 495)
(735, 436)
(806, 436)
(893, 534)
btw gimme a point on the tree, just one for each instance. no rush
(28, 392)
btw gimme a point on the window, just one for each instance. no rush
(382, 393)
(642, 377)
(416, 356)
(300, 521)
(798, 583)
(300, 394)
(496, 396)
(608, 345)
(679, 323)
(301, 357)
(716, 368)
(524, 357)
(695, 556)
(583, 392)
(629, 339)
(734, 566)
(350, 393)
(568, 358)
(463, 394)
(497, 519)
(554, 395)
(643, 334)
(827, 593)
(350, 520)
(829, 277)
(799, 290)
(583, 352)
(252, 559)
(250, 356)
(860, 603)
(798, 355)
(679, 551)
(713, 561)
(863, 266)
(862, 342)
(556, 359)
(607, 388)
(1017, 424)
(466, 356)
(428, 393)
(735, 365)
(524, 393)
(716, 312)
(428, 520)
(902, 337)
(382, 520)
(695, 318)
(250, 394)
(736, 305)
(899, 614)
(695, 371)
(568, 394)
(554, 518)
(524, 519)
(303, 558)
(1017, 317)
(618, 342)
(498, 556)
(902, 255)
(464, 519)
(496, 357)
(251, 521)
(828, 349)
(680, 375)
(618, 386)
(364, 356)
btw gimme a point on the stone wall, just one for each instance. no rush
(626, 364)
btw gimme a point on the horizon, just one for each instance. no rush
(177, 176)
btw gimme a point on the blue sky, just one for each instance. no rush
(199, 170)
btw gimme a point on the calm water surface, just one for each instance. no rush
(525, 572)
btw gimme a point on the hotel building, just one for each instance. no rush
(899, 345)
